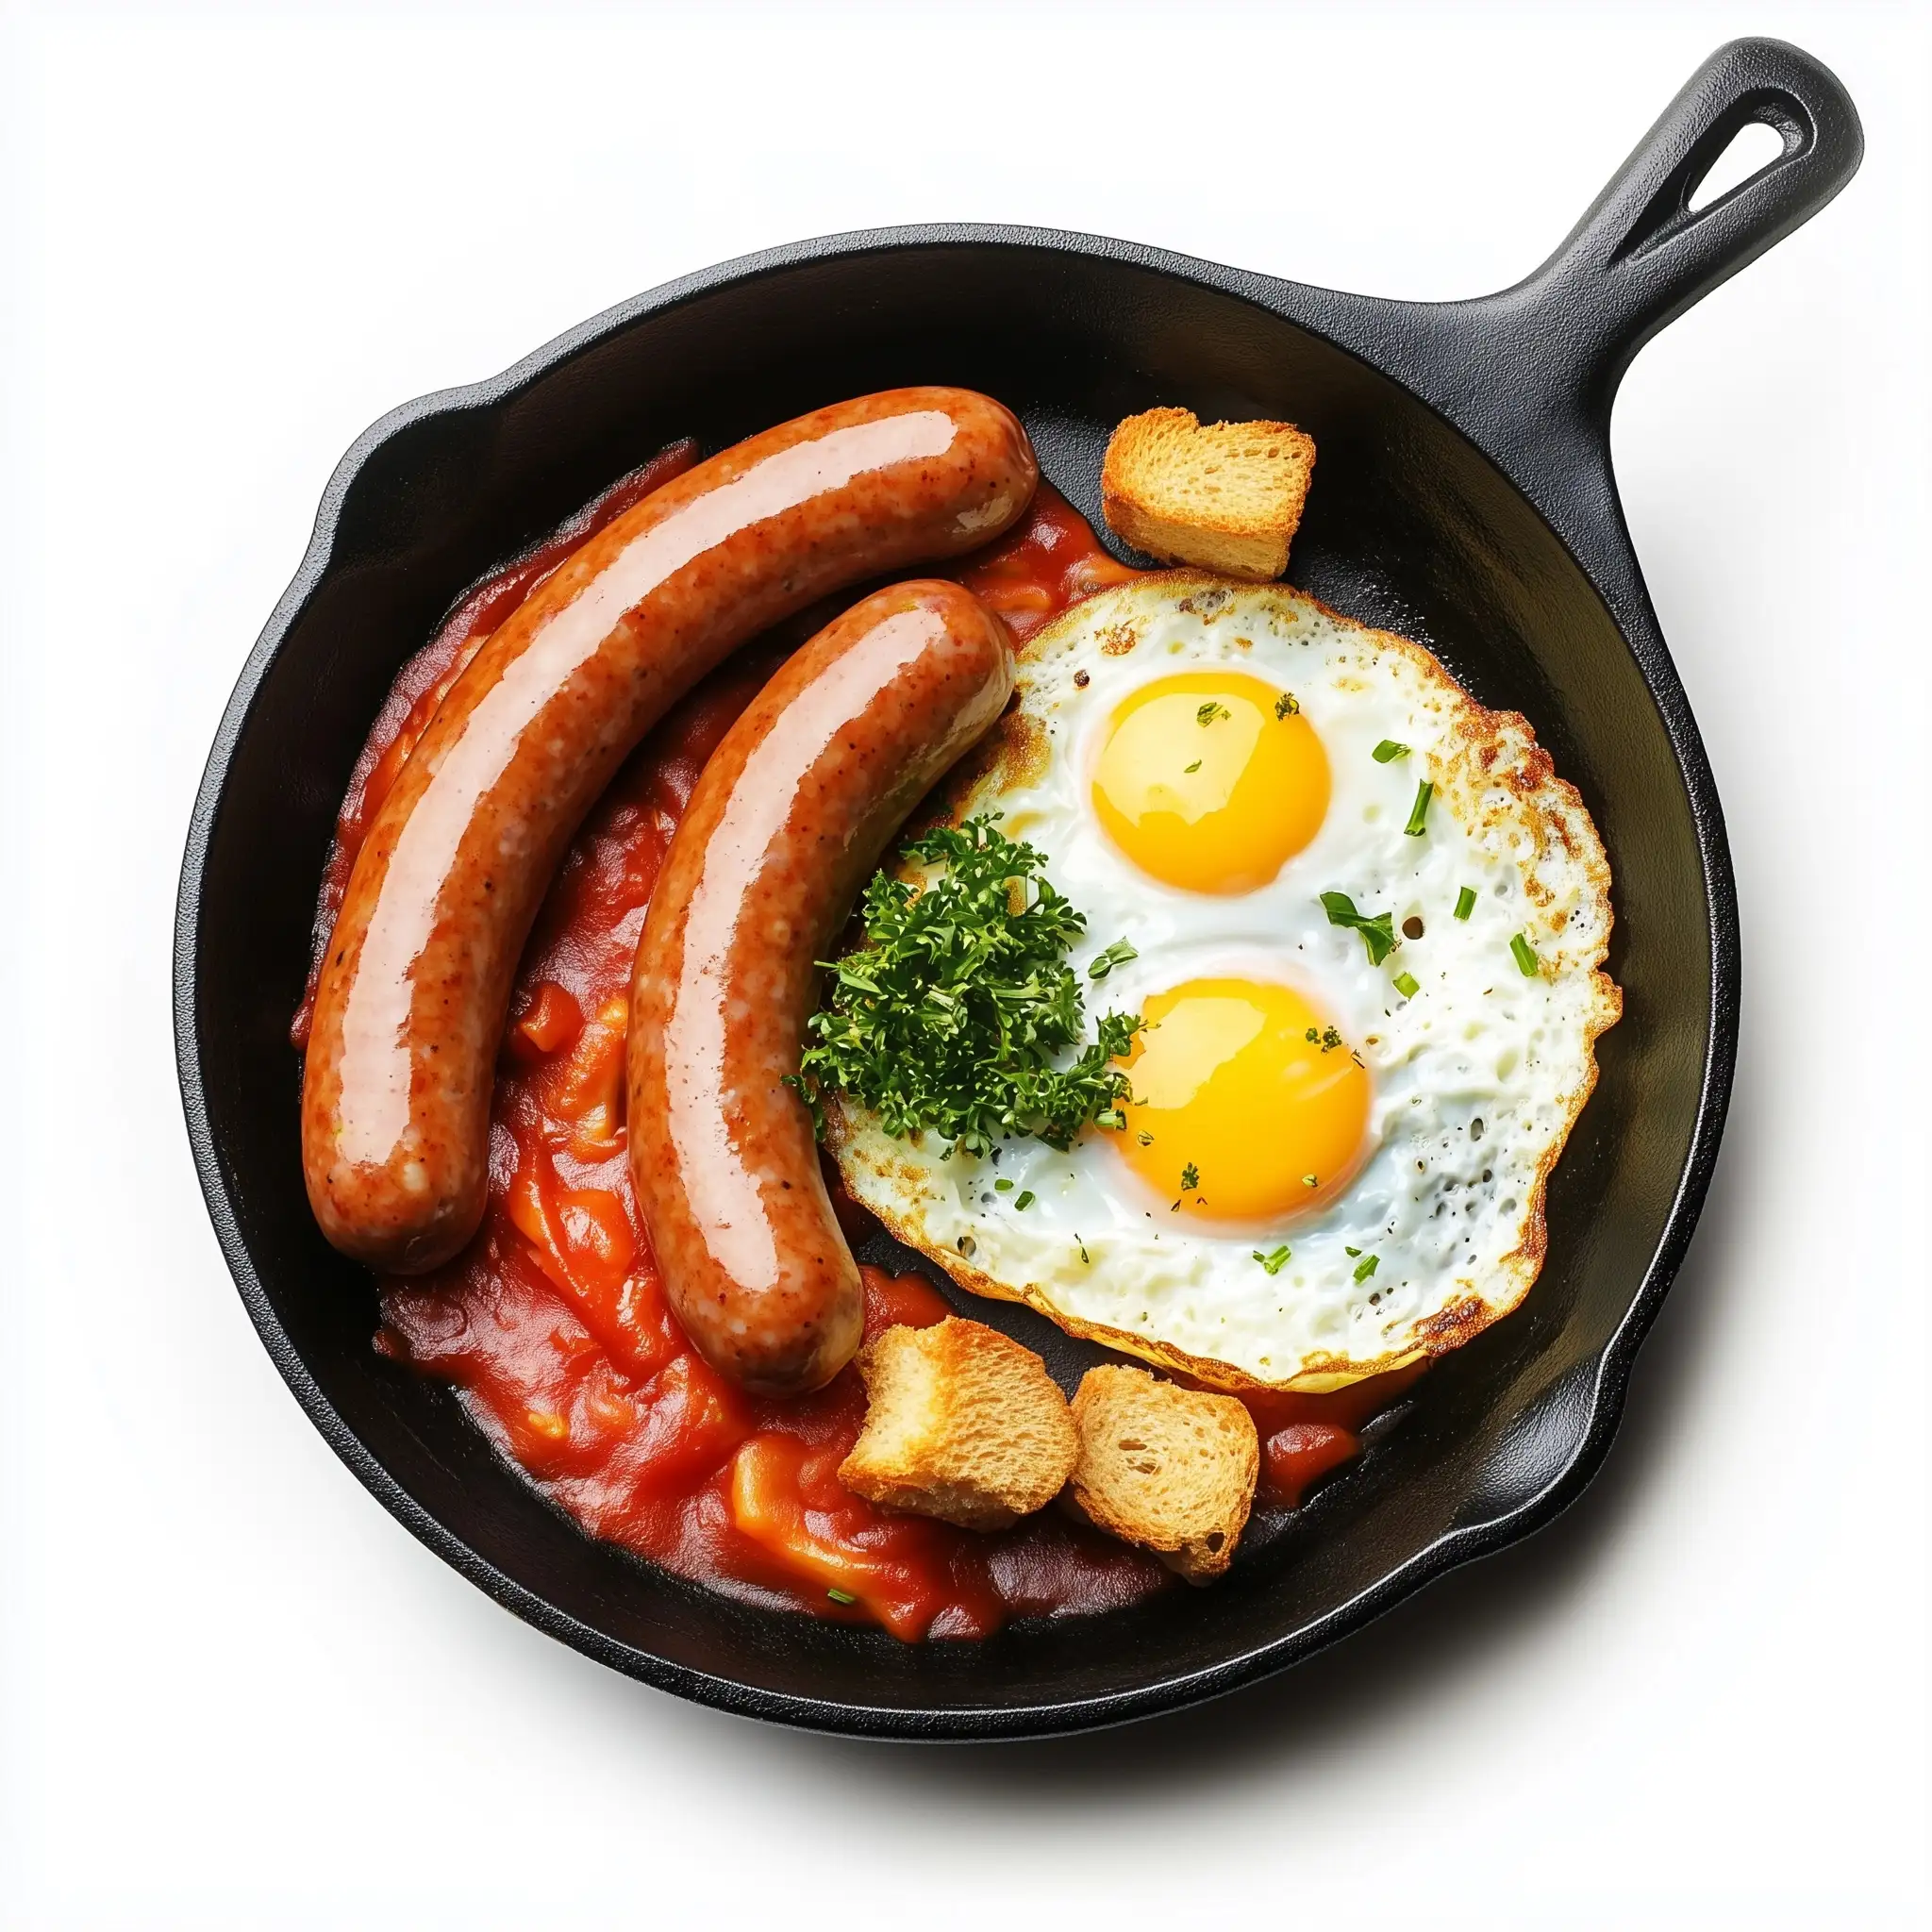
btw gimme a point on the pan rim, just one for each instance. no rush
(1609, 1368)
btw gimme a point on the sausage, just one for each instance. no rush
(788, 818)
(415, 987)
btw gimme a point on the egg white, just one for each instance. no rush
(1477, 1079)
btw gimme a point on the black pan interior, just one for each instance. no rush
(1408, 525)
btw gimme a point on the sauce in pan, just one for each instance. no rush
(552, 1324)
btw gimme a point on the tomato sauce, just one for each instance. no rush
(553, 1323)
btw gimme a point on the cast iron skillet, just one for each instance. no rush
(1463, 495)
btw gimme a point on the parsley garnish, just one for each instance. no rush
(1275, 1262)
(1378, 934)
(1419, 811)
(1190, 1177)
(1327, 1039)
(954, 1016)
(1287, 705)
(1465, 902)
(1388, 751)
(1212, 709)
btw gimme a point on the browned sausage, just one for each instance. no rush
(395, 1101)
(788, 818)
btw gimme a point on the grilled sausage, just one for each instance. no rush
(789, 816)
(415, 989)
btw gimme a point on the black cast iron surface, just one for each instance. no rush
(1464, 495)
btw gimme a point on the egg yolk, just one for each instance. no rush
(1247, 1103)
(1210, 782)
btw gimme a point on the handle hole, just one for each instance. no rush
(1752, 150)
(1742, 138)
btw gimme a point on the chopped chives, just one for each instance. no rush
(1365, 1267)
(1275, 1261)
(1023, 1201)
(1378, 933)
(1525, 956)
(841, 1596)
(1389, 751)
(1212, 709)
(1465, 902)
(1407, 985)
(1194, 767)
(1419, 811)
(1003, 1186)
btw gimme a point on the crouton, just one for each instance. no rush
(1169, 1468)
(1226, 496)
(964, 1423)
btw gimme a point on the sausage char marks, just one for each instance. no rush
(415, 984)
(790, 815)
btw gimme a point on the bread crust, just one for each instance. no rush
(1225, 496)
(964, 1423)
(1171, 1468)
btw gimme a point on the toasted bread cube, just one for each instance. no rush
(1226, 496)
(964, 1423)
(1169, 1468)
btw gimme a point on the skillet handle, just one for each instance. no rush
(1641, 256)
(1529, 373)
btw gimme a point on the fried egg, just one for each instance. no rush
(1368, 923)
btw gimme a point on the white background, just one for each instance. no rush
(235, 1692)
